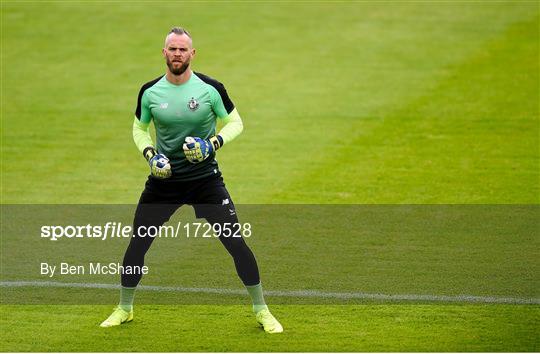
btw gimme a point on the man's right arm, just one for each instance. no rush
(142, 138)
(159, 163)
(141, 125)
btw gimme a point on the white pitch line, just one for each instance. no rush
(286, 293)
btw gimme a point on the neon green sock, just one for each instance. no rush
(256, 293)
(126, 298)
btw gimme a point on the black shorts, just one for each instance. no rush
(208, 196)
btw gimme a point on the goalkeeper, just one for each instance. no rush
(184, 107)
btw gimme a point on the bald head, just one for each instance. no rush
(178, 32)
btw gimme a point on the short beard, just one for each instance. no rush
(178, 71)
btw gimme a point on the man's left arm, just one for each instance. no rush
(232, 128)
(197, 149)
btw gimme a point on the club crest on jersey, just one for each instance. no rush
(193, 104)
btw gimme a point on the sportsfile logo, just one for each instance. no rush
(118, 230)
(109, 230)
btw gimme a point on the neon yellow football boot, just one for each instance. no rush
(268, 322)
(118, 317)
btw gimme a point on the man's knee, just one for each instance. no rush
(236, 246)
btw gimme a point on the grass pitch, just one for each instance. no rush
(343, 103)
(382, 103)
(308, 328)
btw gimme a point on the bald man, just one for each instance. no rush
(184, 107)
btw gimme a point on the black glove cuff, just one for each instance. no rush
(149, 152)
(216, 141)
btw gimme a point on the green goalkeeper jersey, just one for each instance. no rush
(179, 111)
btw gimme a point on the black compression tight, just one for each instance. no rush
(157, 215)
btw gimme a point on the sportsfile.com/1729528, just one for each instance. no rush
(118, 230)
